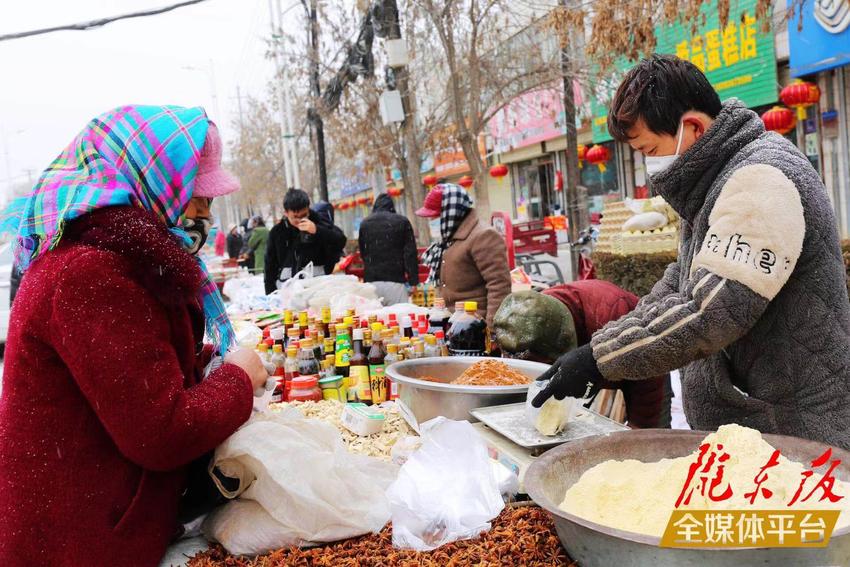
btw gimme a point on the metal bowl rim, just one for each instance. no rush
(534, 475)
(393, 371)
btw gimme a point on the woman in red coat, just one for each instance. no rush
(104, 402)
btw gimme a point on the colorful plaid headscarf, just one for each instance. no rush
(144, 156)
(454, 207)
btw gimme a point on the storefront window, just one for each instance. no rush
(602, 186)
(534, 189)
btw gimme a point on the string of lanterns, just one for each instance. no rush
(799, 95)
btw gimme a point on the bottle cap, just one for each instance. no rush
(377, 327)
(278, 349)
(292, 352)
(263, 347)
(307, 343)
(305, 382)
(392, 348)
(431, 340)
(470, 306)
(459, 306)
(440, 335)
(348, 321)
(278, 333)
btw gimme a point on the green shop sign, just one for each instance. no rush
(738, 60)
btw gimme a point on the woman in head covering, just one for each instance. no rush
(470, 262)
(104, 400)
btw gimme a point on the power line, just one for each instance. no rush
(82, 26)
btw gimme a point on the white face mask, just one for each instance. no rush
(657, 164)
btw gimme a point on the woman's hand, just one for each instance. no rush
(248, 361)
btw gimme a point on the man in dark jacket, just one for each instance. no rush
(388, 248)
(302, 237)
(544, 326)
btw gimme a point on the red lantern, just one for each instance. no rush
(498, 171)
(598, 155)
(582, 154)
(362, 200)
(429, 180)
(779, 119)
(466, 181)
(394, 192)
(799, 95)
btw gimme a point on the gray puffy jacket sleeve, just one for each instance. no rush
(754, 239)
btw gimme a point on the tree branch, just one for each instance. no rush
(83, 26)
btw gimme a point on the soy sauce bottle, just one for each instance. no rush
(468, 333)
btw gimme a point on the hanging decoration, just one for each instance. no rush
(429, 180)
(582, 155)
(598, 155)
(799, 95)
(394, 192)
(499, 171)
(466, 181)
(779, 119)
(559, 181)
(362, 200)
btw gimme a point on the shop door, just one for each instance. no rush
(548, 198)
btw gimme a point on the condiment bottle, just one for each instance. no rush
(342, 351)
(287, 321)
(350, 312)
(290, 371)
(307, 363)
(438, 316)
(293, 336)
(326, 320)
(407, 327)
(377, 374)
(418, 351)
(406, 347)
(278, 335)
(458, 312)
(303, 320)
(367, 339)
(468, 334)
(431, 348)
(358, 372)
(329, 347)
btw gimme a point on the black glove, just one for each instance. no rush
(574, 374)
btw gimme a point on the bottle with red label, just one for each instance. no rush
(290, 370)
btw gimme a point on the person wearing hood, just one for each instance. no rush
(301, 238)
(258, 243)
(755, 310)
(544, 326)
(106, 404)
(234, 242)
(388, 248)
(470, 262)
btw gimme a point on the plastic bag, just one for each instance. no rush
(298, 485)
(551, 418)
(446, 491)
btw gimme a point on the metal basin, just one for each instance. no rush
(592, 544)
(422, 400)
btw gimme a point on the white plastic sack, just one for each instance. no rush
(298, 485)
(551, 418)
(446, 491)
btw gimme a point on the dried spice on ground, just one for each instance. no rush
(519, 536)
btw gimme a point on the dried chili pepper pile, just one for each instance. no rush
(519, 536)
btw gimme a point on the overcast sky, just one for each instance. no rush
(51, 85)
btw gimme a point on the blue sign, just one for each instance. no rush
(824, 40)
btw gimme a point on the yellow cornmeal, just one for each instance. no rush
(639, 497)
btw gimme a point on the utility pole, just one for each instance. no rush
(573, 177)
(313, 114)
(290, 143)
(412, 171)
(274, 16)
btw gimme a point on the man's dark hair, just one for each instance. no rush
(660, 90)
(296, 200)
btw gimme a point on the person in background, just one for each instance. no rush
(246, 255)
(755, 309)
(326, 211)
(301, 237)
(234, 242)
(104, 403)
(544, 326)
(470, 262)
(388, 249)
(258, 243)
(220, 242)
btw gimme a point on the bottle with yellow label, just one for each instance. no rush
(358, 371)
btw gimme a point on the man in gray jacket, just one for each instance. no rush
(755, 310)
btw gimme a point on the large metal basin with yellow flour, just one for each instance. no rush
(595, 545)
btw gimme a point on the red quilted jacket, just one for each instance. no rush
(593, 304)
(102, 405)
